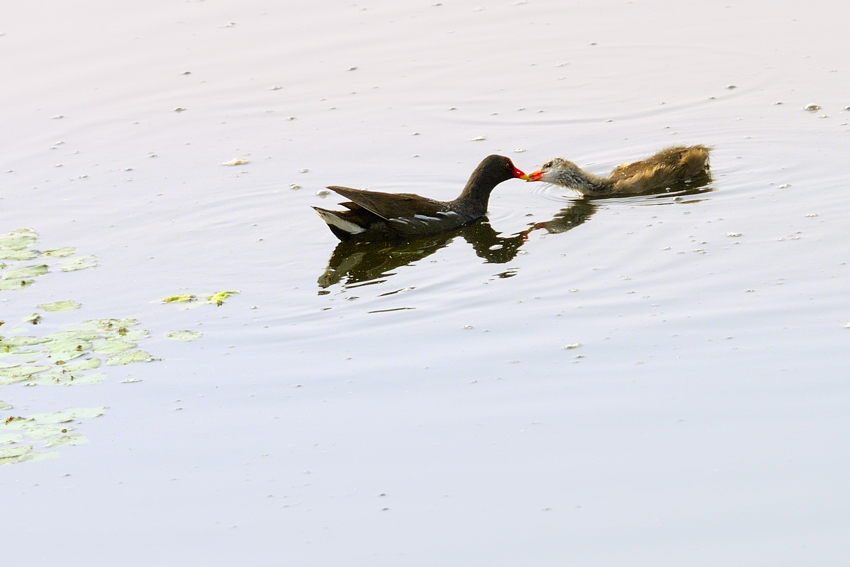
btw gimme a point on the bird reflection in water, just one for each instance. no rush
(374, 262)
(366, 263)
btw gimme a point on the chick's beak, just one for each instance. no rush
(534, 176)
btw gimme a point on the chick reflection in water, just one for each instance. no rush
(374, 262)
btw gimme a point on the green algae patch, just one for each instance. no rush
(14, 454)
(19, 255)
(113, 346)
(22, 341)
(185, 336)
(185, 298)
(60, 252)
(26, 272)
(67, 416)
(220, 297)
(71, 439)
(19, 374)
(129, 357)
(46, 430)
(85, 364)
(18, 239)
(66, 378)
(50, 429)
(75, 264)
(11, 285)
(67, 358)
(10, 438)
(108, 325)
(66, 305)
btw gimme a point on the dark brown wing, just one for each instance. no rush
(390, 205)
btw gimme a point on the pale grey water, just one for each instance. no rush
(433, 415)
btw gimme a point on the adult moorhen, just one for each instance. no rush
(373, 216)
(666, 168)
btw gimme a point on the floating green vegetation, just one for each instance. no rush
(35, 318)
(59, 252)
(185, 336)
(129, 357)
(66, 358)
(185, 298)
(16, 247)
(81, 263)
(26, 272)
(217, 298)
(52, 429)
(67, 305)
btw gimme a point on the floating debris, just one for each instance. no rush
(35, 319)
(478, 139)
(812, 107)
(572, 346)
(733, 234)
(236, 161)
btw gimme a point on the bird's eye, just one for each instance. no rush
(548, 164)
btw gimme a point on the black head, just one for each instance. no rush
(498, 168)
(489, 173)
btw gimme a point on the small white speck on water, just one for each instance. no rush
(847, 326)
(811, 215)
(478, 139)
(785, 186)
(58, 117)
(294, 186)
(468, 327)
(303, 170)
(572, 346)
(733, 234)
(519, 150)
(812, 107)
(323, 193)
(275, 88)
(573, 289)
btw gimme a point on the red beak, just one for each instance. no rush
(535, 176)
(519, 174)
